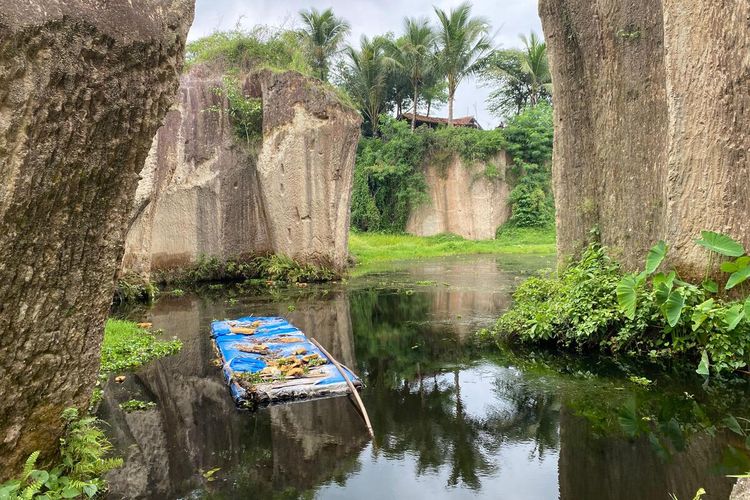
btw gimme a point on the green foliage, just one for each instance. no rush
(592, 305)
(127, 346)
(321, 35)
(529, 141)
(136, 405)
(529, 135)
(374, 248)
(79, 472)
(242, 50)
(245, 113)
(389, 180)
(721, 244)
(132, 288)
(283, 268)
(463, 44)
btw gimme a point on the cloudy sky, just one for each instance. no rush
(509, 18)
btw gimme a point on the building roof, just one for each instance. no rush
(464, 121)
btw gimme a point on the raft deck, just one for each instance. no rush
(267, 360)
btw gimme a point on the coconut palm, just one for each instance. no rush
(413, 52)
(322, 34)
(366, 77)
(536, 67)
(463, 43)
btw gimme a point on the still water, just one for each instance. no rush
(450, 420)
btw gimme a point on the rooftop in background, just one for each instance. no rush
(432, 121)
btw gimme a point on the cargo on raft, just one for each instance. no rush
(267, 360)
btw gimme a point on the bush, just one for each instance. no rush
(592, 305)
(243, 50)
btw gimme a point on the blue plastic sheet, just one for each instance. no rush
(282, 340)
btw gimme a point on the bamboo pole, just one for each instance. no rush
(349, 383)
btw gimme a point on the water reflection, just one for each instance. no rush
(449, 421)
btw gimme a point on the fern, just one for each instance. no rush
(82, 465)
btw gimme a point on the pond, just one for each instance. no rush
(450, 420)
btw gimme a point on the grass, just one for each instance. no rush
(375, 248)
(126, 346)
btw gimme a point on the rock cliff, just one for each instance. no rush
(83, 89)
(652, 108)
(463, 200)
(204, 193)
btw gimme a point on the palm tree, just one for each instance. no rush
(367, 77)
(536, 67)
(463, 43)
(415, 57)
(322, 35)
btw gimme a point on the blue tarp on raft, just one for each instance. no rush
(280, 340)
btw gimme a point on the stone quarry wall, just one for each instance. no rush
(463, 200)
(83, 90)
(203, 193)
(652, 109)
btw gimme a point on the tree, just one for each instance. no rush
(366, 77)
(535, 66)
(510, 85)
(520, 77)
(414, 54)
(463, 44)
(322, 35)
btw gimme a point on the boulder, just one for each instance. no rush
(652, 108)
(206, 193)
(84, 86)
(463, 200)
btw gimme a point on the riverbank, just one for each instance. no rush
(374, 248)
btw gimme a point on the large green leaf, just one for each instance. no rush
(733, 316)
(627, 296)
(721, 244)
(738, 277)
(656, 256)
(747, 309)
(703, 365)
(672, 307)
(700, 313)
(710, 286)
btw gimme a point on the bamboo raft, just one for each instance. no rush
(267, 360)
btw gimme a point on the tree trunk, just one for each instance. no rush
(450, 109)
(652, 108)
(414, 111)
(82, 94)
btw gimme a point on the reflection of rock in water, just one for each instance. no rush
(591, 468)
(196, 426)
(329, 322)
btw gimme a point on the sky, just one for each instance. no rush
(509, 19)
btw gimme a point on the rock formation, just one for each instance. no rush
(204, 193)
(83, 89)
(463, 200)
(652, 109)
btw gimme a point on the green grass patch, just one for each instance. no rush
(127, 346)
(374, 248)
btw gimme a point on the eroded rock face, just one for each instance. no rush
(463, 201)
(204, 193)
(83, 88)
(652, 108)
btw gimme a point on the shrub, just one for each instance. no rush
(591, 304)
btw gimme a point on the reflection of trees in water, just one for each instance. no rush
(530, 413)
(426, 419)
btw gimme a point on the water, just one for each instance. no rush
(450, 420)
